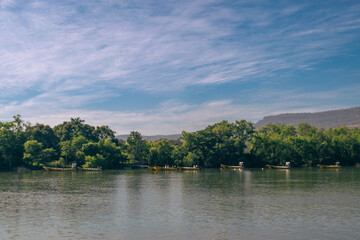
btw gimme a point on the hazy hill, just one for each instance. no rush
(153, 138)
(329, 119)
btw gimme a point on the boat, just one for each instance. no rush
(287, 166)
(72, 169)
(193, 168)
(337, 165)
(241, 166)
(59, 169)
(168, 168)
(156, 168)
(131, 166)
(90, 169)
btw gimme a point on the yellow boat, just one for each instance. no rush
(337, 165)
(287, 166)
(241, 166)
(156, 168)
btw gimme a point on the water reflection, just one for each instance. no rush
(208, 204)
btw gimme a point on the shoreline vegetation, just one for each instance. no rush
(27, 146)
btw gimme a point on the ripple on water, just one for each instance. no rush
(210, 204)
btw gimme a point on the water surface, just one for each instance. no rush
(211, 204)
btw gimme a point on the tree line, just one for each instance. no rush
(74, 141)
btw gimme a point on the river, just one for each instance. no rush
(251, 204)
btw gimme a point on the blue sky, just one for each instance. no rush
(160, 67)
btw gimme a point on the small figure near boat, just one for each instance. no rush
(287, 166)
(337, 165)
(241, 166)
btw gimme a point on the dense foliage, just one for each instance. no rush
(228, 143)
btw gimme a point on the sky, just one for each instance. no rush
(161, 67)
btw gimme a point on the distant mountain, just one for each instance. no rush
(349, 117)
(172, 137)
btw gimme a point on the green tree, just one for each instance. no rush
(67, 152)
(76, 127)
(220, 143)
(113, 155)
(12, 139)
(161, 153)
(33, 150)
(94, 161)
(44, 134)
(178, 154)
(104, 132)
(137, 148)
(48, 155)
(70, 148)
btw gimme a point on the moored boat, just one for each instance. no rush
(287, 166)
(73, 168)
(152, 168)
(156, 168)
(168, 168)
(193, 168)
(241, 166)
(59, 169)
(90, 169)
(337, 165)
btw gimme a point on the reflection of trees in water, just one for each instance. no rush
(11, 202)
(153, 200)
(144, 188)
(134, 190)
(203, 203)
(214, 200)
(77, 198)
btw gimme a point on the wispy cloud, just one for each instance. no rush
(173, 116)
(68, 50)
(146, 48)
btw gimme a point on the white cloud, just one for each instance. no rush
(151, 50)
(174, 116)
(96, 48)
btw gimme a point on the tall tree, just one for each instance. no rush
(137, 149)
(103, 132)
(12, 139)
(160, 153)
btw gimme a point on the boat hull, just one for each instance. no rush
(59, 169)
(223, 166)
(170, 168)
(90, 169)
(189, 168)
(329, 166)
(277, 167)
